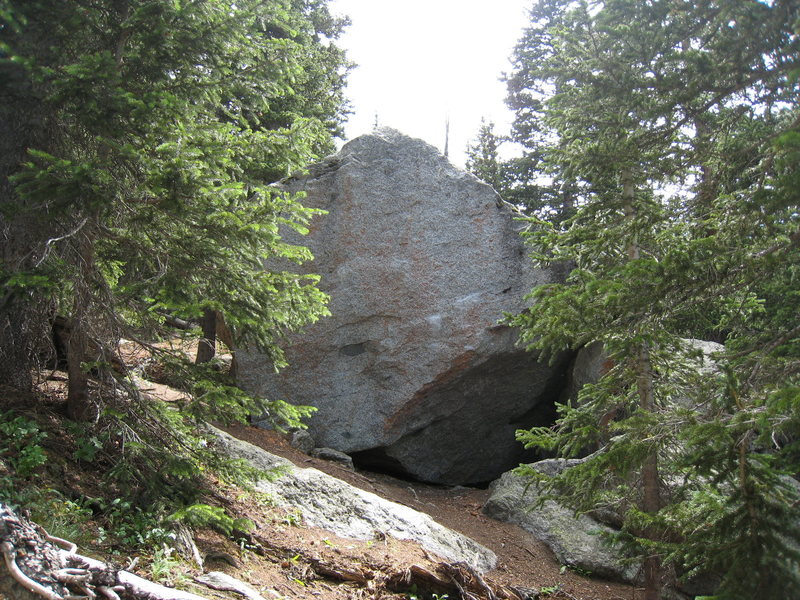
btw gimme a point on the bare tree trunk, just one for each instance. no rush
(225, 335)
(78, 401)
(651, 498)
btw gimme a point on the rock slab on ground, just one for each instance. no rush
(338, 507)
(412, 372)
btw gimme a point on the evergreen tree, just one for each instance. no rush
(142, 139)
(483, 159)
(644, 109)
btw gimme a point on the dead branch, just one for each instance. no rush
(176, 322)
(462, 574)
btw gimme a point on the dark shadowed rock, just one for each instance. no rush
(333, 456)
(412, 372)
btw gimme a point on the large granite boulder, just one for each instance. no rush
(412, 373)
(577, 541)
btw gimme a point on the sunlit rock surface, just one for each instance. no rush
(338, 507)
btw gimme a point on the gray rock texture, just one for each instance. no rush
(218, 580)
(303, 441)
(591, 363)
(574, 540)
(412, 372)
(340, 508)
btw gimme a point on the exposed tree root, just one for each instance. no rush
(456, 580)
(49, 568)
(42, 566)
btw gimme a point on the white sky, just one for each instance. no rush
(422, 61)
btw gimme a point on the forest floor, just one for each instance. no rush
(285, 559)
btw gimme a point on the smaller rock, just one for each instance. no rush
(222, 363)
(218, 580)
(576, 541)
(333, 456)
(302, 440)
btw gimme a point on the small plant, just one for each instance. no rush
(203, 515)
(263, 500)
(294, 518)
(87, 444)
(550, 590)
(165, 568)
(128, 525)
(20, 444)
(64, 518)
(87, 449)
(577, 570)
(59, 516)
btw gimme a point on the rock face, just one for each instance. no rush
(340, 508)
(412, 373)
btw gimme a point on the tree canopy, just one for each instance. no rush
(139, 141)
(675, 128)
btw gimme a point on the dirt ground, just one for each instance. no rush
(524, 563)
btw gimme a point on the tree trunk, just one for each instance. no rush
(651, 501)
(225, 335)
(24, 313)
(629, 207)
(207, 347)
(79, 406)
